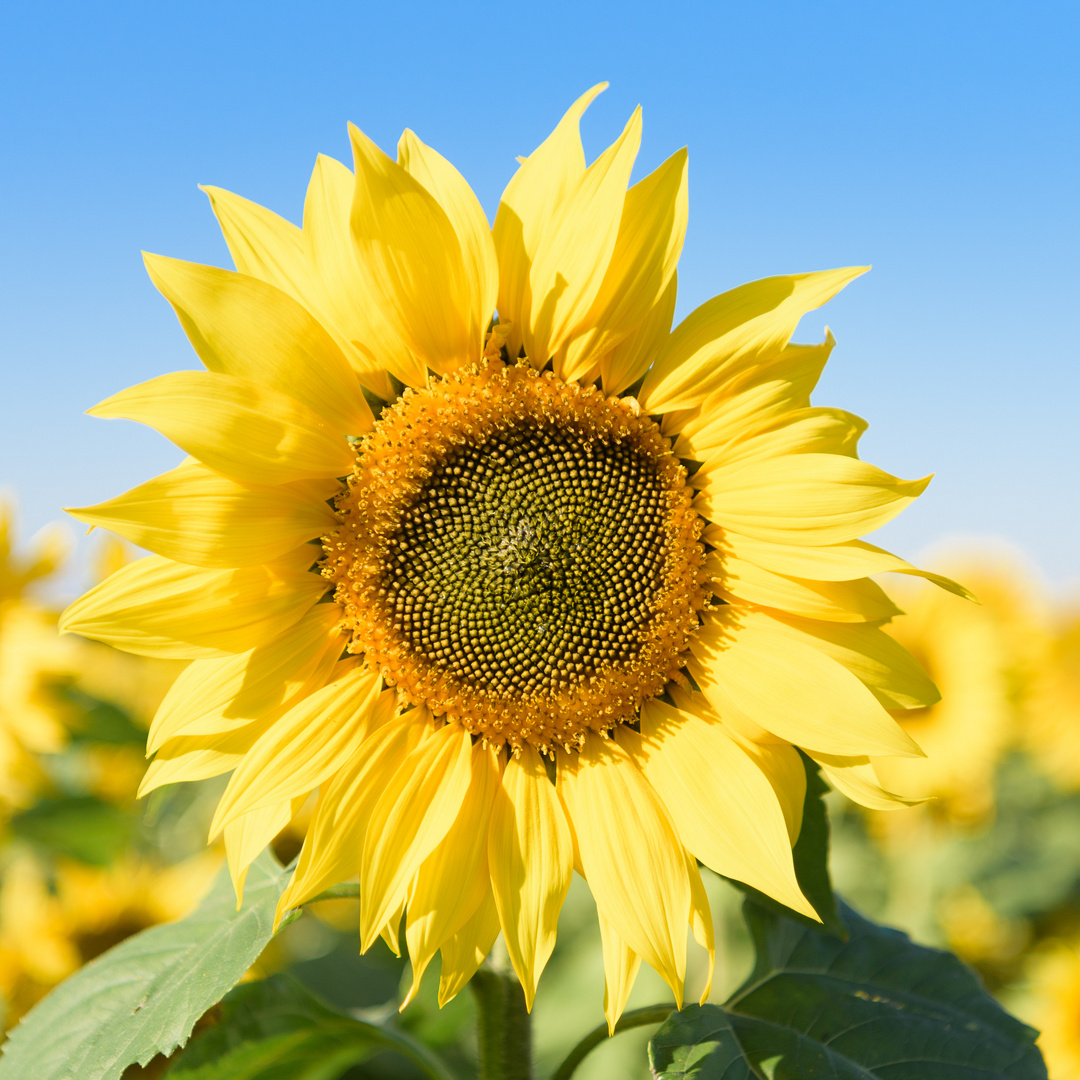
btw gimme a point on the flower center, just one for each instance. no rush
(520, 554)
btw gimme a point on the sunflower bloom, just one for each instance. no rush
(451, 570)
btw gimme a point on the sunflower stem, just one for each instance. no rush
(503, 1028)
(651, 1014)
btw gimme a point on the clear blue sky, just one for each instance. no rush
(938, 141)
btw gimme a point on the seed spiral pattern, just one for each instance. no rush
(518, 553)
(530, 561)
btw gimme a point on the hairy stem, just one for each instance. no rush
(504, 1032)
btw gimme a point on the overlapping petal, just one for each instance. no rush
(236, 426)
(530, 856)
(304, 748)
(242, 326)
(414, 813)
(411, 259)
(758, 677)
(724, 808)
(452, 882)
(155, 607)
(733, 332)
(811, 499)
(527, 206)
(198, 516)
(616, 815)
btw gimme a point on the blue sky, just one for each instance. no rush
(937, 141)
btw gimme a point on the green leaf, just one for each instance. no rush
(698, 1043)
(83, 827)
(276, 1029)
(811, 855)
(319, 1053)
(252, 1012)
(873, 1007)
(143, 997)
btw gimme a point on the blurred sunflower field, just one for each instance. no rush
(985, 861)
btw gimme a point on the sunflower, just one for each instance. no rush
(557, 590)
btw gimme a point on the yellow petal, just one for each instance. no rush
(467, 217)
(630, 359)
(880, 662)
(339, 293)
(836, 601)
(701, 923)
(197, 516)
(576, 246)
(530, 856)
(780, 762)
(752, 400)
(804, 431)
(463, 953)
(417, 808)
(155, 607)
(724, 808)
(184, 759)
(242, 326)
(248, 835)
(453, 880)
(211, 696)
(411, 260)
(335, 839)
(830, 562)
(794, 690)
(235, 426)
(812, 499)
(856, 778)
(303, 748)
(733, 331)
(527, 206)
(391, 932)
(261, 243)
(647, 248)
(619, 821)
(621, 967)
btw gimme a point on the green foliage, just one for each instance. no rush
(143, 997)
(276, 1029)
(811, 855)
(82, 827)
(875, 1006)
(95, 721)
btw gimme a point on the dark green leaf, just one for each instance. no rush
(873, 1007)
(82, 827)
(811, 855)
(144, 996)
(698, 1043)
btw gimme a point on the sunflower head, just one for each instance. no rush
(517, 578)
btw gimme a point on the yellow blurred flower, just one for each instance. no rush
(1053, 1006)
(982, 656)
(37, 665)
(1052, 721)
(976, 932)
